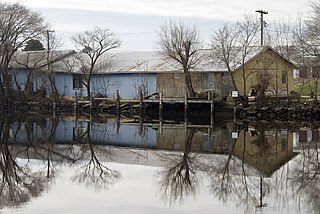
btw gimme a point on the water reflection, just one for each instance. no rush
(262, 166)
(179, 178)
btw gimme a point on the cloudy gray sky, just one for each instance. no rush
(136, 21)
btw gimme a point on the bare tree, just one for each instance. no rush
(233, 44)
(313, 42)
(248, 29)
(18, 24)
(223, 44)
(94, 44)
(313, 28)
(182, 44)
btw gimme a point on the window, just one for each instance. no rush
(303, 72)
(315, 136)
(77, 81)
(315, 71)
(303, 137)
(284, 76)
(296, 73)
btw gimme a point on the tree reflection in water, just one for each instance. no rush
(21, 181)
(306, 178)
(252, 171)
(94, 173)
(18, 183)
(243, 177)
(179, 177)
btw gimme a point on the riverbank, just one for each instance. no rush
(283, 110)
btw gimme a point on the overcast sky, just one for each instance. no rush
(136, 21)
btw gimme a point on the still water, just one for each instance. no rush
(106, 165)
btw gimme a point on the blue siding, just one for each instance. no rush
(21, 78)
(64, 84)
(127, 84)
(102, 84)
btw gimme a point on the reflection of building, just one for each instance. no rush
(266, 151)
(306, 137)
(167, 137)
(173, 137)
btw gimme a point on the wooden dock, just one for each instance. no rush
(141, 102)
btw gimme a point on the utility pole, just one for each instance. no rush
(51, 79)
(262, 23)
(48, 49)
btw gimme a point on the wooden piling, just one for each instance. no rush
(54, 108)
(141, 100)
(75, 103)
(160, 105)
(186, 107)
(141, 113)
(160, 112)
(118, 102)
(118, 124)
(91, 102)
(212, 110)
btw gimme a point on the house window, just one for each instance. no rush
(315, 71)
(78, 81)
(315, 136)
(303, 136)
(296, 73)
(284, 77)
(303, 72)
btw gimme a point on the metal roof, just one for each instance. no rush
(131, 62)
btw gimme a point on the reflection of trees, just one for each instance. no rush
(179, 178)
(306, 177)
(232, 180)
(18, 184)
(94, 172)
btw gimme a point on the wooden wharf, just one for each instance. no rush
(140, 103)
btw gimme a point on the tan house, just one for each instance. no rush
(265, 67)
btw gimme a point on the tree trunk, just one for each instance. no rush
(6, 82)
(89, 86)
(54, 89)
(188, 82)
(233, 81)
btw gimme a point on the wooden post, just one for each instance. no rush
(141, 113)
(91, 102)
(75, 102)
(186, 107)
(235, 113)
(118, 102)
(160, 112)
(54, 107)
(118, 124)
(141, 100)
(212, 110)
(160, 105)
